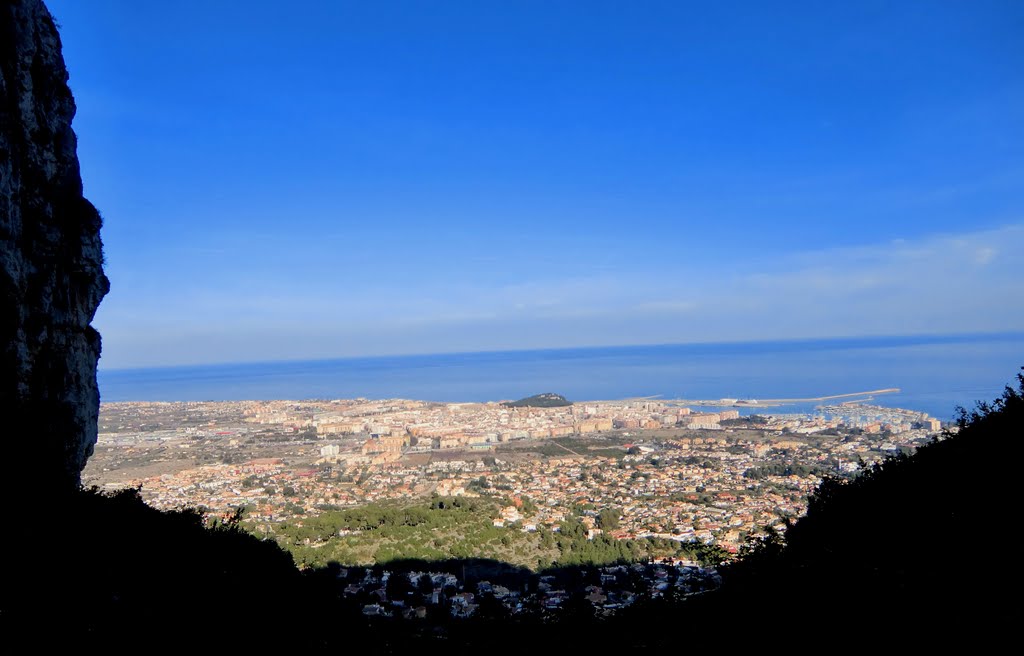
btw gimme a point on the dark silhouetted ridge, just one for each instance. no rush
(920, 544)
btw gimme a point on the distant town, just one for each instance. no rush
(604, 483)
(716, 477)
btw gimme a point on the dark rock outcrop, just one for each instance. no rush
(51, 273)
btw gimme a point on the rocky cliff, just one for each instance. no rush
(51, 273)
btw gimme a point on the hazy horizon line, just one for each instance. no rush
(850, 340)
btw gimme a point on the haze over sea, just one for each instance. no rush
(934, 373)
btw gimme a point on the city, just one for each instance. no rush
(714, 477)
(647, 495)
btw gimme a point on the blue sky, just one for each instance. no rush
(354, 178)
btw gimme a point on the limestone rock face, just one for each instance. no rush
(51, 261)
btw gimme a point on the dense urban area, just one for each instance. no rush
(649, 494)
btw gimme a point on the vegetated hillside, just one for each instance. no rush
(545, 400)
(452, 528)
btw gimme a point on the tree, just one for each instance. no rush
(571, 528)
(608, 519)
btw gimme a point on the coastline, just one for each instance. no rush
(933, 375)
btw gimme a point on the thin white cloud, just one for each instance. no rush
(939, 284)
(985, 255)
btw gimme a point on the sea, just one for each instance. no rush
(935, 374)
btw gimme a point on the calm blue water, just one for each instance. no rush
(935, 374)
